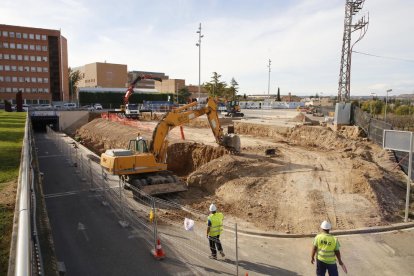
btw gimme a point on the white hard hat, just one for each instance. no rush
(326, 225)
(213, 208)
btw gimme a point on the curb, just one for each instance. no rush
(376, 229)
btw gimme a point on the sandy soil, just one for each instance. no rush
(316, 174)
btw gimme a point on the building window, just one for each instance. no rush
(27, 79)
(20, 68)
(11, 34)
(24, 36)
(8, 89)
(7, 78)
(34, 90)
(39, 69)
(14, 79)
(44, 37)
(1, 78)
(38, 48)
(19, 57)
(38, 58)
(19, 46)
(45, 80)
(33, 79)
(6, 56)
(5, 45)
(1, 67)
(14, 68)
(31, 47)
(27, 90)
(45, 58)
(12, 46)
(32, 58)
(37, 36)
(2, 89)
(18, 35)
(15, 90)
(25, 47)
(13, 57)
(32, 69)
(31, 36)
(44, 48)
(1, 56)
(21, 79)
(6, 67)
(45, 70)
(26, 68)
(5, 34)
(39, 80)
(26, 58)
(46, 90)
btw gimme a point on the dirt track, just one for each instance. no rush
(316, 174)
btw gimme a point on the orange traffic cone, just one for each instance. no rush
(158, 252)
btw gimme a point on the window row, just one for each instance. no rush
(23, 57)
(32, 47)
(23, 79)
(27, 90)
(23, 35)
(15, 68)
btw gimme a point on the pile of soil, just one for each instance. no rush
(317, 174)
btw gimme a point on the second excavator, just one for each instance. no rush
(144, 166)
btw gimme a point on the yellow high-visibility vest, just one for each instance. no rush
(326, 245)
(216, 227)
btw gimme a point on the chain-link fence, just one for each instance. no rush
(152, 218)
(375, 130)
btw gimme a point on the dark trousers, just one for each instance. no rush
(215, 243)
(321, 268)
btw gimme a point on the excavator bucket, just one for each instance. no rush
(232, 142)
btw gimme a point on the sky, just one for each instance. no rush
(302, 38)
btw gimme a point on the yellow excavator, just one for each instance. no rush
(145, 167)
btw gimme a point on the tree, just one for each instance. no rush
(74, 77)
(278, 95)
(216, 87)
(183, 95)
(244, 96)
(231, 92)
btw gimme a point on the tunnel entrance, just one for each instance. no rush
(39, 123)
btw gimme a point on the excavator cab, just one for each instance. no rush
(138, 145)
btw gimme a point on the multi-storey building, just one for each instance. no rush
(35, 62)
(100, 74)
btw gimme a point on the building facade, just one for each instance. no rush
(169, 86)
(34, 61)
(102, 74)
(147, 83)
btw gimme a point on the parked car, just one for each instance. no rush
(98, 106)
(69, 105)
(88, 107)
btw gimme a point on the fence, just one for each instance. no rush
(375, 130)
(153, 218)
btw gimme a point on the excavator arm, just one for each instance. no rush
(130, 89)
(182, 116)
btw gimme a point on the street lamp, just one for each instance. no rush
(386, 103)
(268, 82)
(199, 59)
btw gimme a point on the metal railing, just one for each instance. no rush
(152, 218)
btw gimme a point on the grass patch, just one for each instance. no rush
(11, 138)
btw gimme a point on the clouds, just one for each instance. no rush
(303, 38)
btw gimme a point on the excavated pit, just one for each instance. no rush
(316, 174)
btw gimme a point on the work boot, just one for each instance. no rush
(222, 254)
(213, 257)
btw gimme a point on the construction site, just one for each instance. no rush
(312, 173)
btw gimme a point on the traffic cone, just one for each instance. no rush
(159, 253)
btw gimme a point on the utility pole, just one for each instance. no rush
(386, 104)
(352, 7)
(198, 44)
(268, 82)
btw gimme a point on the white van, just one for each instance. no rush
(69, 105)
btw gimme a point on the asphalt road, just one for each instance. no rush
(86, 234)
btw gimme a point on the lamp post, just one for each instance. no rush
(386, 103)
(268, 81)
(198, 44)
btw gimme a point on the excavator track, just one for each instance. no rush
(158, 183)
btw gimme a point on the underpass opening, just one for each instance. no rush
(39, 123)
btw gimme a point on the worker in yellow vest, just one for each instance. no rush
(214, 230)
(326, 247)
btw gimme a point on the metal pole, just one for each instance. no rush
(199, 60)
(386, 103)
(237, 252)
(155, 224)
(410, 166)
(268, 82)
